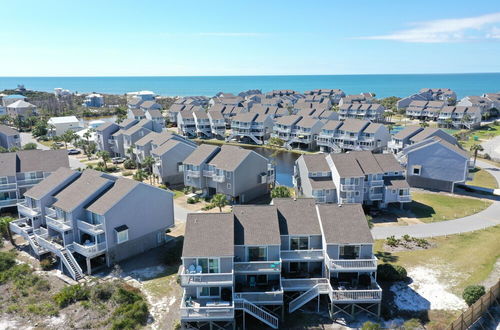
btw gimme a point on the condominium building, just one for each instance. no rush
(460, 117)
(297, 131)
(91, 220)
(9, 137)
(21, 170)
(240, 174)
(413, 134)
(250, 126)
(372, 112)
(292, 250)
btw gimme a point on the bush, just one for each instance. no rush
(368, 325)
(71, 294)
(392, 241)
(174, 252)
(127, 173)
(187, 190)
(129, 164)
(102, 292)
(389, 272)
(46, 264)
(132, 311)
(406, 237)
(472, 293)
(44, 309)
(412, 324)
(208, 207)
(193, 200)
(7, 261)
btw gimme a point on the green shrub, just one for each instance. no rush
(392, 241)
(177, 325)
(129, 164)
(47, 263)
(130, 316)
(127, 173)
(421, 242)
(472, 293)
(187, 190)
(193, 200)
(16, 272)
(208, 207)
(389, 272)
(368, 325)
(412, 324)
(406, 238)
(71, 294)
(7, 261)
(102, 292)
(44, 309)
(14, 308)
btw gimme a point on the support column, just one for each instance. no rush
(89, 270)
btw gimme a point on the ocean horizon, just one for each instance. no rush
(383, 85)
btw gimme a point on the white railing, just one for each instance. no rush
(20, 227)
(208, 173)
(50, 211)
(199, 279)
(70, 262)
(404, 198)
(194, 174)
(8, 186)
(300, 284)
(290, 255)
(348, 187)
(257, 312)
(377, 183)
(257, 267)
(8, 202)
(354, 264)
(88, 227)
(26, 210)
(347, 200)
(378, 196)
(308, 296)
(48, 245)
(58, 224)
(202, 312)
(261, 297)
(356, 295)
(28, 182)
(219, 178)
(89, 250)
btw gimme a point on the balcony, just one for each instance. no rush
(8, 186)
(257, 267)
(347, 294)
(219, 178)
(28, 182)
(377, 183)
(48, 243)
(301, 284)
(268, 297)
(348, 187)
(404, 198)
(353, 265)
(347, 200)
(302, 255)
(9, 202)
(20, 227)
(208, 174)
(90, 228)
(205, 309)
(376, 196)
(90, 250)
(193, 174)
(26, 210)
(204, 279)
(58, 224)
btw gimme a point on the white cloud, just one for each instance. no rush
(447, 30)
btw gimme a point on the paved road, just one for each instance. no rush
(73, 162)
(487, 218)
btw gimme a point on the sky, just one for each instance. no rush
(272, 37)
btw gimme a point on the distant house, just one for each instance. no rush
(21, 109)
(217, 124)
(186, 124)
(135, 113)
(169, 157)
(372, 112)
(297, 131)
(333, 94)
(93, 100)
(434, 163)
(9, 137)
(429, 94)
(425, 110)
(414, 134)
(240, 174)
(249, 126)
(484, 103)
(460, 117)
(367, 98)
(9, 99)
(89, 220)
(104, 136)
(59, 125)
(20, 170)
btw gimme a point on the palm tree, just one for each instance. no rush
(148, 164)
(219, 200)
(86, 148)
(424, 124)
(140, 175)
(476, 148)
(68, 136)
(104, 155)
(280, 192)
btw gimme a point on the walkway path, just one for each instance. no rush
(486, 218)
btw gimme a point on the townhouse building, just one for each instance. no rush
(115, 142)
(354, 177)
(297, 131)
(157, 118)
(135, 133)
(217, 124)
(250, 126)
(21, 108)
(372, 111)
(333, 94)
(481, 102)
(240, 174)
(9, 137)
(91, 220)
(203, 128)
(425, 110)
(142, 148)
(21, 170)
(352, 134)
(136, 113)
(357, 98)
(429, 94)
(435, 163)
(413, 134)
(292, 250)
(459, 117)
(186, 124)
(169, 157)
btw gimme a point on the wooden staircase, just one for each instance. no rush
(257, 312)
(315, 291)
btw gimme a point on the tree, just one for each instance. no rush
(148, 164)
(476, 148)
(140, 175)
(424, 124)
(219, 200)
(472, 293)
(67, 137)
(280, 192)
(86, 145)
(30, 146)
(4, 227)
(104, 155)
(39, 129)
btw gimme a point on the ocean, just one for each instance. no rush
(383, 85)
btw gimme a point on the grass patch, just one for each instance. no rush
(486, 132)
(429, 207)
(177, 193)
(483, 179)
(467, 258)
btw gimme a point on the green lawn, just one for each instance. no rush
(467, 258)
(430, 207)
(483, 179)
(483, 133)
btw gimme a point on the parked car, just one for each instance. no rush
(73, 151)
(118, 160)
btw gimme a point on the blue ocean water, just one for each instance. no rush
(383, 85)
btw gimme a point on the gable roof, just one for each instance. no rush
(106, 201)
(297, 217)
(51, 182)
(230, 157)
(209, 235)
(344, 224)
(256, 225)
(7, 130)
(201, 154)
(316, 163)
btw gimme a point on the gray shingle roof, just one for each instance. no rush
(372, 128)
(104, 126)
(396, 182)
(322, 183)
(344, 224)
(106, 201)
(209, 235)
(408, 131)
(388, 163)
(256, 225)
(230, 157)
(346, 165)
(297, 217)
(288, 120)
(201, 154)
(316, 163)
(50, 183)
(7, 130)
(169, 145)
(353, 125)
(8, 164)
(32, 160)
(155, 113)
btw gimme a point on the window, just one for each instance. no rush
(121, 234)
(349, 252)
(228, 186)
(299, 243)
(298, 267)
(257, 253)
(416, 170)
(210, 292)
(209, 265)
(3, 180)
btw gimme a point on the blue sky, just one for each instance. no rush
(120, 38)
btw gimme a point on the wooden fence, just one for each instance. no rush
(478, 309)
